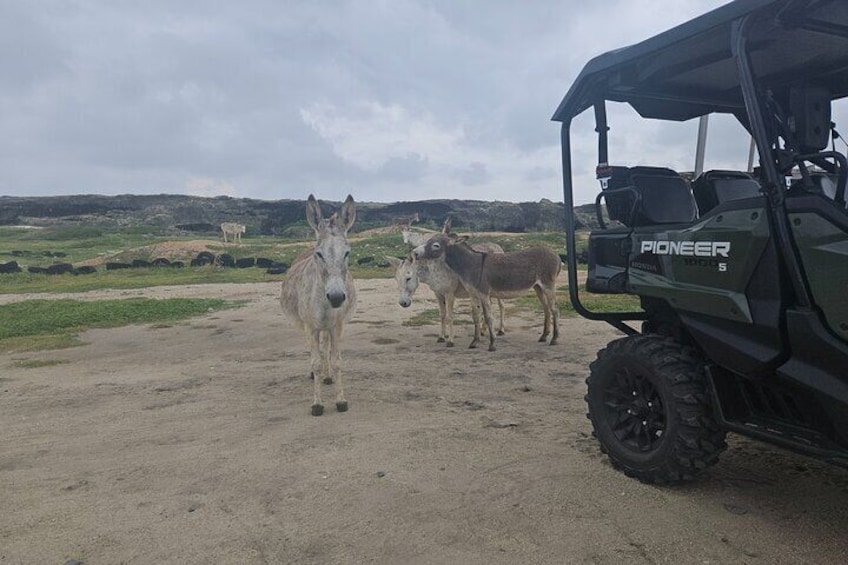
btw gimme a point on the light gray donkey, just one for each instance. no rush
(318, 294)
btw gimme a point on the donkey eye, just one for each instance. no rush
(319, 255)
(436, 246)
(347, 254)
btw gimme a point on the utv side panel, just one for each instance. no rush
(710, 278)
(754, 349)
(821, 236)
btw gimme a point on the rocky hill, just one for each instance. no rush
(278, 217)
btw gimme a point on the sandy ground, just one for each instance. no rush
(193, 443)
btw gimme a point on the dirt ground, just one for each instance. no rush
(193, 443)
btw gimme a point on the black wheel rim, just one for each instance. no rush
(634, 411)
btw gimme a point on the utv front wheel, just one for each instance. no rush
(650, 407)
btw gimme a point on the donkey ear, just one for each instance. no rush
(313, 213)
(394, 261)
(347, 214)
(459, 239)
(446, 228)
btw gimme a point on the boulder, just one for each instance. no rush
(10, 267)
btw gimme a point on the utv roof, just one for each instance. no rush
(689, 70)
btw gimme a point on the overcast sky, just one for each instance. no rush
(387, 100)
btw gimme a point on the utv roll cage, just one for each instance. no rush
(748, 58)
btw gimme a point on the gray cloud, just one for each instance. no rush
(419, 98)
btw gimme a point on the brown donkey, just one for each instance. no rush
(500, 275)
(318, 294)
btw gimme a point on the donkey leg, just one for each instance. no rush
(336, 365)
(450, 300)
(314, 339)
(325, 359)
(552, 302)
(501, 329)
(442, 316)
(487, 315)
(540, 294)
(475, 321)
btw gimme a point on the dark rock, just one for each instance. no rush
(278, 268)
(60, 269)
(245, 262)
(10, 267)
(226, 260)
(203, 258)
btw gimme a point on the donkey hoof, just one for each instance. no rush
(472, 346)
(311, 376)
(501, 332)
(492, 347)
(553, 342)
(543, 339)
(317, 409)
(449, 344)
(328, 380)
(440, 340)
(341, 406)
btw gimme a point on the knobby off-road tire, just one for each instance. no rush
(651, 409)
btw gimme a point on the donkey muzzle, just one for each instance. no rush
(405, 302)
(336, 298)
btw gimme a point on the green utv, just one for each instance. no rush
(742, 277)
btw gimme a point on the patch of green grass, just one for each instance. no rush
(78, 243)
(40, 324)
(39, 342)
(425, 318)
(37, 247)
(593, 302)
(129, 278)
(431, 317)
(600, 303)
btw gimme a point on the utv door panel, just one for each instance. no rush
(708, 275)
(820, 230)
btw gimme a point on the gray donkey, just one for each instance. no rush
(318, 294)
(501, 275)
(439, 277)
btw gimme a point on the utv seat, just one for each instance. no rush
(824, 184)
(660, 195)
(716, 187)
